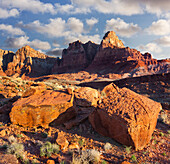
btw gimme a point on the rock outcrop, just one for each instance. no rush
(111, 40)
(110, 58)
(5, 58)
(40, 109)
(125, 116)
(30, 62)
(76, 57)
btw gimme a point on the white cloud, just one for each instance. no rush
(150, 47)
(55, 52)
(70, 9)
(160, 27)
(39, 44)
(113, 6)
(24, 40)
(122, 28)
(91, 22)
(75, 25)
(164, 41)
(34, 6)
(56, 27)
(4, 13)
(11, 30)
(83, 38)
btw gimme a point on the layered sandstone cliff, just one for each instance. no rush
(27, 61)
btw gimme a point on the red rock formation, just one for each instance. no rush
(76, 57)
(30, 62)
(5, 58)
(125, 116)
(113, 57)
(40, 109)
(111, 40)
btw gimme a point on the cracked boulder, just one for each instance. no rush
(41, 108)
(125, 116)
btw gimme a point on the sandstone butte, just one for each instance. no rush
(125, 116)
(110, 57)
(41, 108)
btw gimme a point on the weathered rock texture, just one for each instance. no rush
(40, 109)
(110, 58)
(26, 61)
(76, 57)
(111, 40)
(5, 58)
(126, 116)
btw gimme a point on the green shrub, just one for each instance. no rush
(161, 134)
(86, 157)
(47, 149)
(133, 158)
(103, 162)
(128, 149)
(17, 149)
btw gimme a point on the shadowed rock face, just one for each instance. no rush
(110, 57)
(126, 116)
(76, 57)
(27, 61)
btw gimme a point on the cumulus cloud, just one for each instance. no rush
(4, 13)
(83, 38)
(125, 7)
(34, 6)
(113, 6)
(55, 52)
(55, 28)
(91, 22)
(164, 41)
(160, 27)
(122, 28)
(71, 9)
(11, 30)
(75, 25)
(24, 40)
(150, 47)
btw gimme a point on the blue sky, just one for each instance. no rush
(49, 26)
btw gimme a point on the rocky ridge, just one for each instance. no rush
(26, 61)
(110, 58)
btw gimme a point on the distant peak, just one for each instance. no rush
(110, 39)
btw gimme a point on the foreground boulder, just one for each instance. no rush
(125, 116)
(40, 109)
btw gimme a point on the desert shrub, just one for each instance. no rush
(133, 158)
(107, 146)
(85, 157)
(12, 139)
(47, 149)
(128, 149)
(17, 149)
(103, 162)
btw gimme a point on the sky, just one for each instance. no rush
(50, 25)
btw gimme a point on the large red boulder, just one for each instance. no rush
(40, 108)
(125, 116)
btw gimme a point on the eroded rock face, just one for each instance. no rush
(76, 57)
(111, 40)
(5, 58)
(30, 62)
(86, 97)
(40, 109)
(126, 116)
